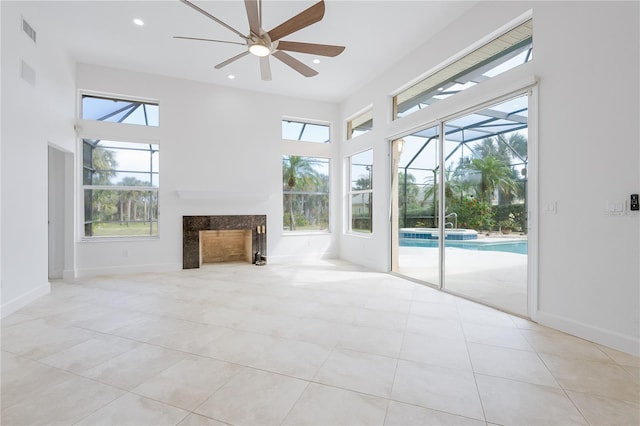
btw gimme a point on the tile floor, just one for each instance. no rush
(327, 343)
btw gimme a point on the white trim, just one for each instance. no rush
(352, 117)
(489, 92)
(124, 132)
(619, 341)
(114, 96)
(532, 204)
(222, 195)
(288, 259)
(359, 112)
(128, 269)
(23, 300)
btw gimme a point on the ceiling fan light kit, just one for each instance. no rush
(260, 46)
(263, 43)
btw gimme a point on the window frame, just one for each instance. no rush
(361, 118)
(353, 192)
(327, 161)
(304, 122)
(89, 129)
(522, 24)
(139, 101)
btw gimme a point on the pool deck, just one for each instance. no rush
(496, 278)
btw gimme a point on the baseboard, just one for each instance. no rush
(612, 339)
(129, 269)
(68, 274)
(367, 263)
(22, 301)
(289, 258)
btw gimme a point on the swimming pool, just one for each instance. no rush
(510, 246)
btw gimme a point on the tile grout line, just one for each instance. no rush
(473, 373)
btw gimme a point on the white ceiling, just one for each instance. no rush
(376, 34)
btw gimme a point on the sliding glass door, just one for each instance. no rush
(468, 235)
(415, 251)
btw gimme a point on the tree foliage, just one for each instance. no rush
(299, 174)
(488, 176)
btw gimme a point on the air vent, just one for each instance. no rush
(28, 30)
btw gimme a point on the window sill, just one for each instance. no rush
(304, 233)
(119, 239)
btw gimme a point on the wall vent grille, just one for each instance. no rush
(28, 30)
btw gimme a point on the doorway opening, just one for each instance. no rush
(60, 207)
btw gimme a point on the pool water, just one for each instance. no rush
(519, 247)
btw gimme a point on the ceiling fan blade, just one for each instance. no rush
(312, 48)
(305, 18)
(208, 39)
(228, 61)
(210, 16)
(295, 64)
(265, 68)
(252, 15)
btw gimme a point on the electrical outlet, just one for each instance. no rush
(634, 204)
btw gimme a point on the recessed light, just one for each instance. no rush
(316, 61)
(138, 22)
(231, 76)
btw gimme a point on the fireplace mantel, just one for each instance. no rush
(192, 225)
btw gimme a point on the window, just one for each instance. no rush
(119, 111)
(360, 124)
(305, 193)
(361, 191)
(503, 53)
(120, 185)
(120, 178)
(307, 132)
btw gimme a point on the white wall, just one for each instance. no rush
(33, 116)
(222, 149)
(228, 140)
(586, 60)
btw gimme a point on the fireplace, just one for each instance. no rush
(199, 246)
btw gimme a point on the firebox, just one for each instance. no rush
(247, 240)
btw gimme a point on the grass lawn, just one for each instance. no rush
(134, 229)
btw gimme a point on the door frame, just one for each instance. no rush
(60, 202)
(531, 90)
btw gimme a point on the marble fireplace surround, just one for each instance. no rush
(192, 225)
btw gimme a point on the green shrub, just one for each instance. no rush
(473, 214)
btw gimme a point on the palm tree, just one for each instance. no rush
(453, 186)
(517, 145)
(299, 173)
(99, 166)
(494, 174)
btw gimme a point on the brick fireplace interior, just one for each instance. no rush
(215, 239)
(225, 245)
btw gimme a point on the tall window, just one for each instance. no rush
(120, 183)
(501, 54)
(361, 191)
(305, 190)
(120, 178)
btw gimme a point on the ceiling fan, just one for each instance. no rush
(263, 43)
